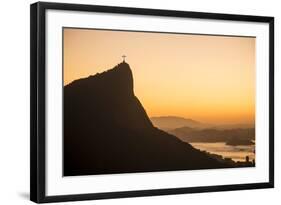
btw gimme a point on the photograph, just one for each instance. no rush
(145, 101)
(134, 102)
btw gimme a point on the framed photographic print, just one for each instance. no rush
(129, 102)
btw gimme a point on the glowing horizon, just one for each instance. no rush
(206, 78)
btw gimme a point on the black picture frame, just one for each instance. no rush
(38, 97)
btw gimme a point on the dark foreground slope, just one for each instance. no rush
(106, 130)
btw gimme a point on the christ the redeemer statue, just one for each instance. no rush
(124, 58)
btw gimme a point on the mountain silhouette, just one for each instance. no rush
(169, 123)
(107, 131)
(238, 136)
(172, 122)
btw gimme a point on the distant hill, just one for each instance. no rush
(168, 123)
(232, 126)
(107, 130)
(173, 122)
(237, 136)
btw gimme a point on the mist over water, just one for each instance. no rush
(237, 153)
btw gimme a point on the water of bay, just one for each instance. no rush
(236, 153)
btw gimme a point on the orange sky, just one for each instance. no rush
(206, 78)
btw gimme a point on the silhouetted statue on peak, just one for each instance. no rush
(107, 130)
(124, 58)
